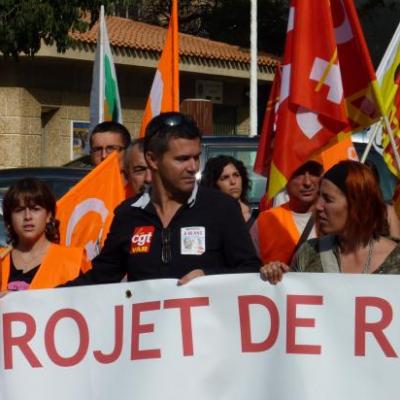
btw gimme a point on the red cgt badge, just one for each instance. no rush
(141, 239)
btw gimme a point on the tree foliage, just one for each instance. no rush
(229, 22)
(222, 20)
(25, 23)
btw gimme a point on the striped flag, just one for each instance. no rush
(164, 93)
(105, 104)
(388, 75)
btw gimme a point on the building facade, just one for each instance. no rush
(44, 101)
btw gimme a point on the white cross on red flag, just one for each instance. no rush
(328, 84)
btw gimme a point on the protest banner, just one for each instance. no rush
(313, 336)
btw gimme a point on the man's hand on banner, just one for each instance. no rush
(273, 271)
(191, 275)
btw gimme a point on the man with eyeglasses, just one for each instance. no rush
(107, 137)
(137, 172)
(176, 229)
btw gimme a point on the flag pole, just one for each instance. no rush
(378, 95)
(371, 141)
(386, 124)
(387, 59)
(101, 77)
(253, 69)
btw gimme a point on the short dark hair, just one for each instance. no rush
(311, 166)
(31, 191)
(169, 125)
(214, 168)
(114, 127)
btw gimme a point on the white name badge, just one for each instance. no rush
(193, 240)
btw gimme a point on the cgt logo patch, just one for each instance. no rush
(141, 239)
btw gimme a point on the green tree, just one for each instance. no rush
(379, 19)
(229, 21)
(25, 23)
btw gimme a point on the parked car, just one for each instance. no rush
(59, 179)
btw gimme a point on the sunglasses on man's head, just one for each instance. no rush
(165, 121)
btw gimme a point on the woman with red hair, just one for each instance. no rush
(352, 220)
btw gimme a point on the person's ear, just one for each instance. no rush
(151, 160)
(49, 217)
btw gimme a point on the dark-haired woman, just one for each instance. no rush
(35, 260)
(352, 217)
(230, 176)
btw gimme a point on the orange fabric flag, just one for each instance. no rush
(338, 149)
(328, 84)
(164, 93)
(85, 212)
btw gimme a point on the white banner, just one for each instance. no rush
(314, 336)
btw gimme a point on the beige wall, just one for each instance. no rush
(39, 98)
(39, 134)
(20, 128)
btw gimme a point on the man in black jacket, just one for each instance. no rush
(176, 229)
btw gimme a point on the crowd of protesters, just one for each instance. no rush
(171, 226)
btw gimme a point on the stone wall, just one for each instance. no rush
(20, 128)
(40, 97)
(36, 126)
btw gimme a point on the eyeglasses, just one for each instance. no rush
(108, 149)
(166, 255)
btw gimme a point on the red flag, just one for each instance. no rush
(164, 93)
(328, 84)
(262, 163)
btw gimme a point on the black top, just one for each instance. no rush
(208, 232)
(19, 280)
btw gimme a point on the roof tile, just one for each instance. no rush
(131, 34)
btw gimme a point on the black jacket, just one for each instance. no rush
(138, 245)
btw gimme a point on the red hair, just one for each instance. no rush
(367, 215)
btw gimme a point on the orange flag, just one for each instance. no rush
(338, 149)
(328, 84)
(86, 211)
(164, 93)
